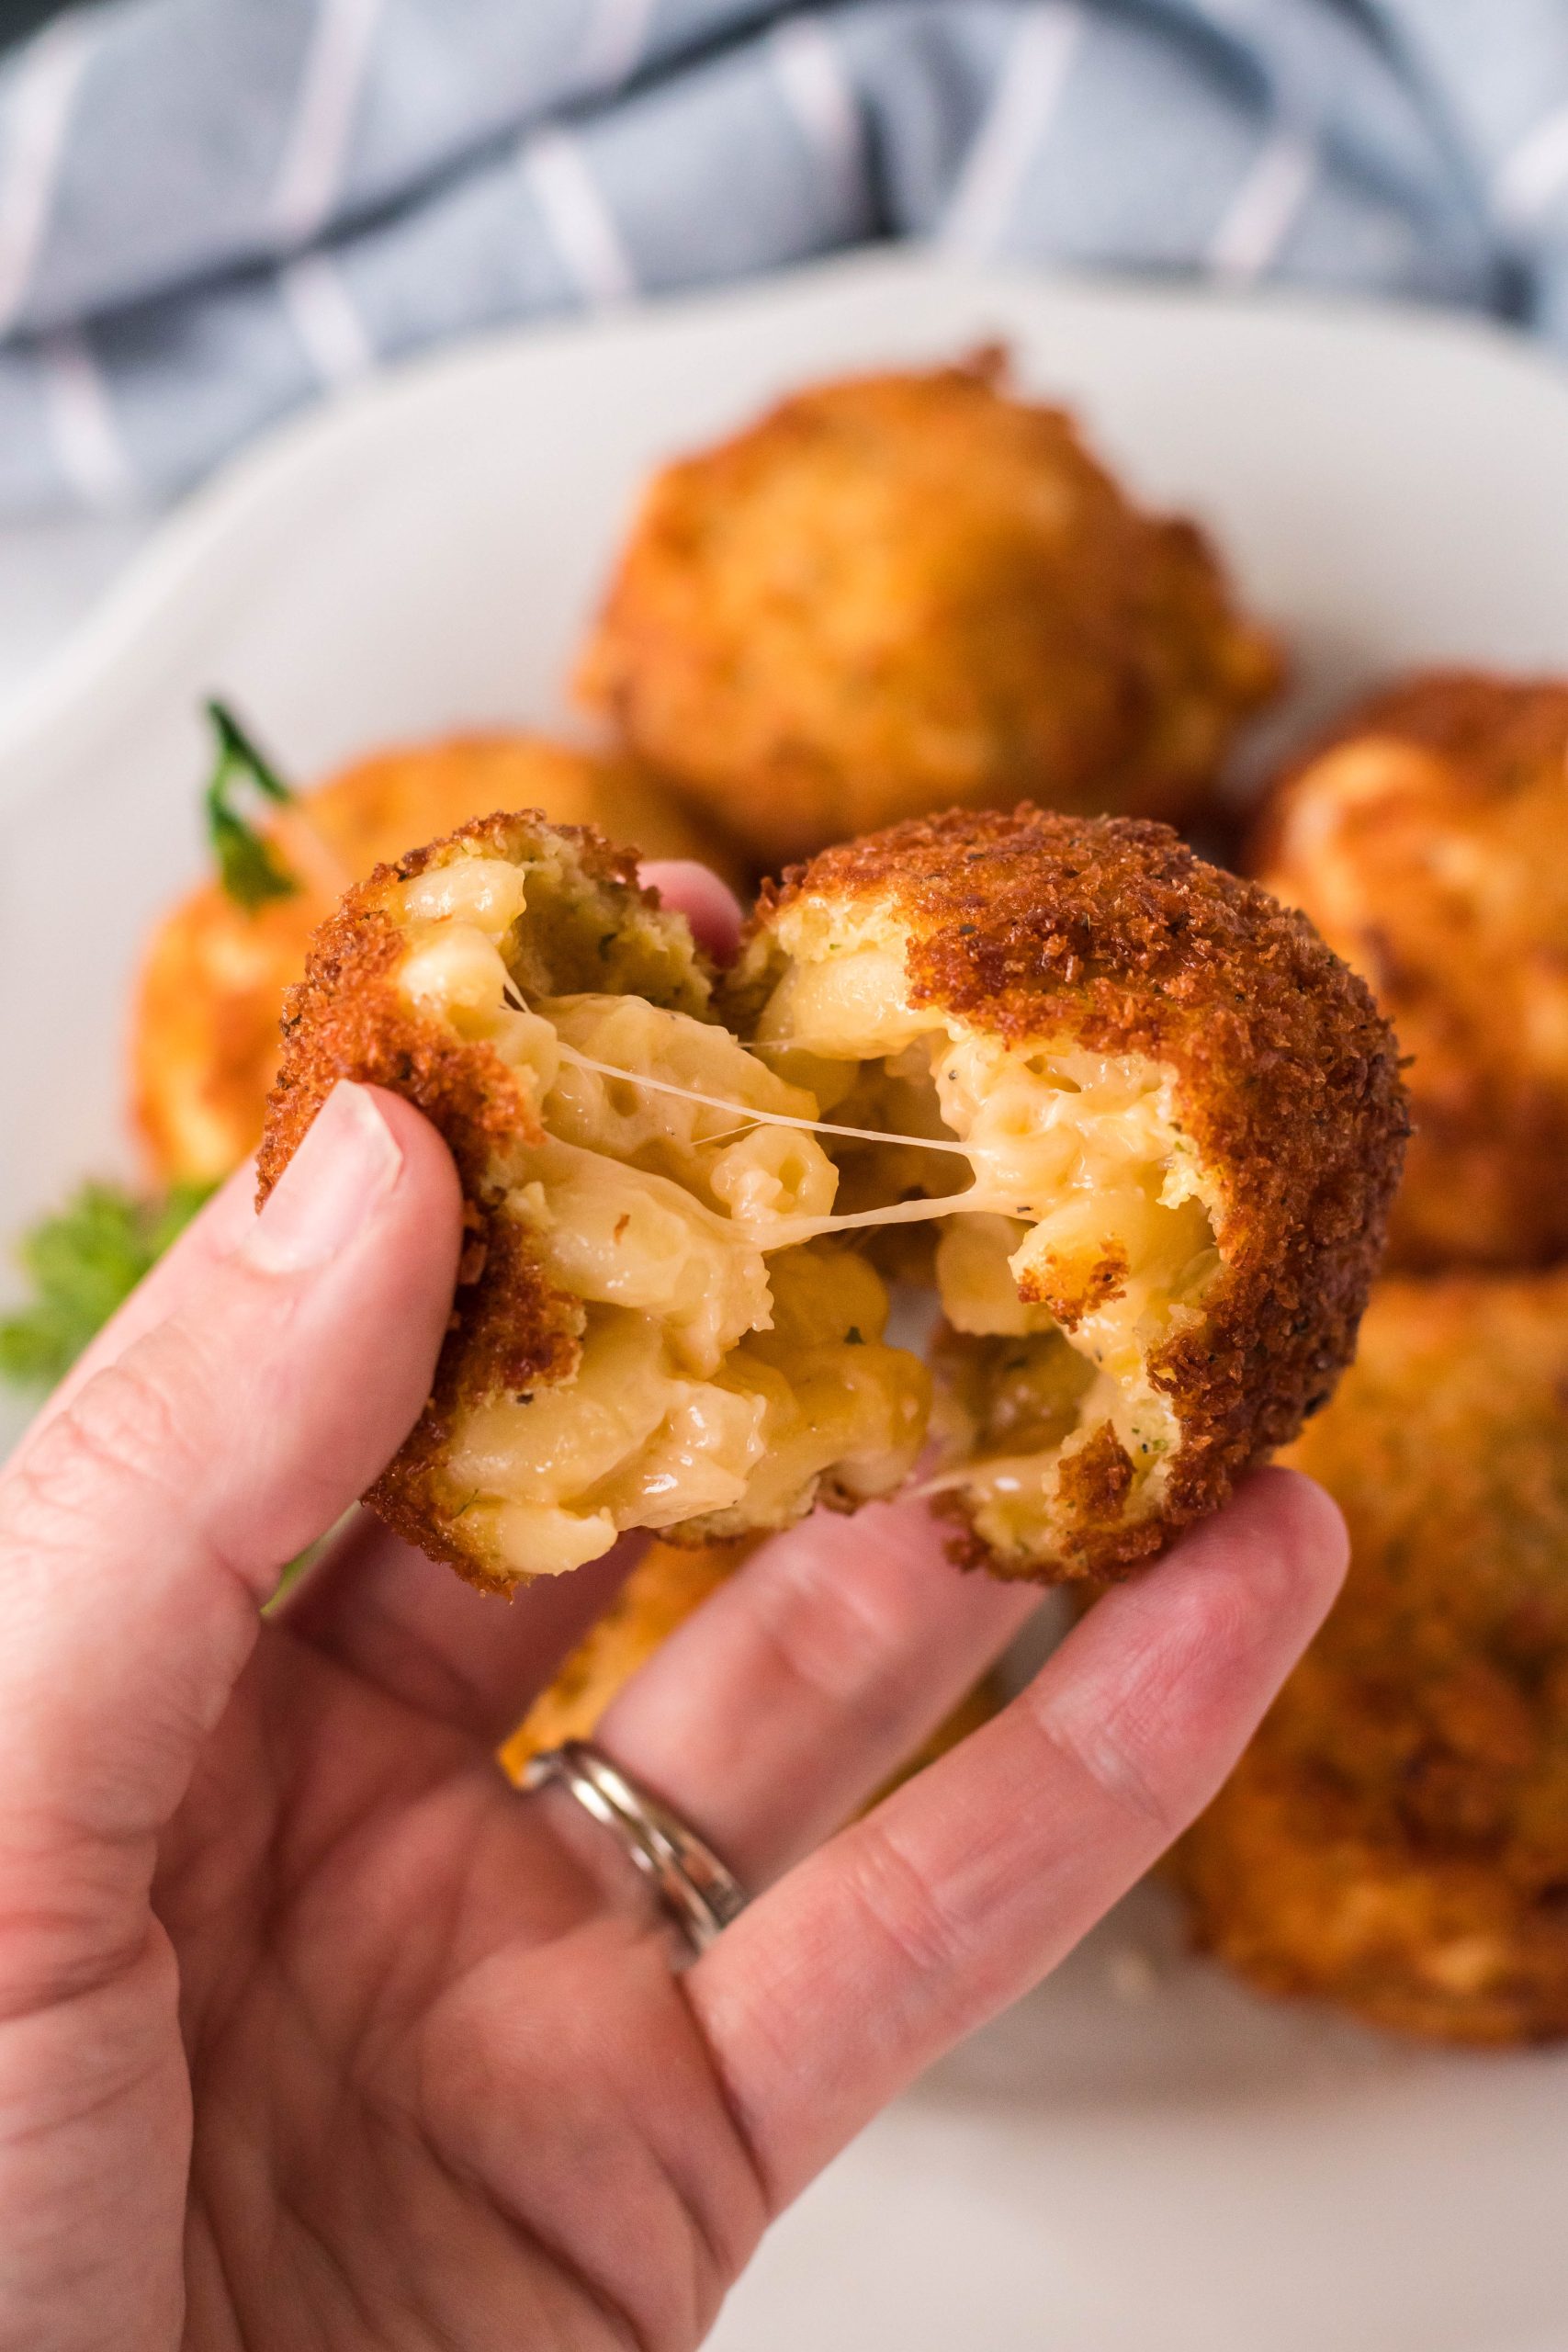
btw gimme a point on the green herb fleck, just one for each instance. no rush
(248, 866)
(83, 1262)
(853, 1337)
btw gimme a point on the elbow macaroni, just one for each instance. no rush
(733, 1364)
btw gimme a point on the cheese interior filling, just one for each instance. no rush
(724, 1378)
(1088, 1238)
(688, 1191)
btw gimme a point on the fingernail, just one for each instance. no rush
(347, 1164)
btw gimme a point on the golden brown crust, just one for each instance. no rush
(1110, 931)
(901, 592)
(1396, 1837)
(1425, 838)
(511, 1329)
(1096, 1482)
(204, 1037)
(1070, 1299)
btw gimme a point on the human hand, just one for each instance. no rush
(311, 2029)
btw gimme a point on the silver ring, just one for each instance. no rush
(692, 1883)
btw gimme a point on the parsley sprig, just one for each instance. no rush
(83, 1261)
(248, 866)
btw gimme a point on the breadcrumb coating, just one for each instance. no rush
(1425, 839)
(898, 592)
(1395, 1840)
(204, 1043)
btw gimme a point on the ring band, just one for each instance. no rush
(693, 1884)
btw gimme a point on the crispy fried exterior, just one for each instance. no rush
(899, 592)
(668, 1584)
(513, 1330)
(1396, 1837)
(1111, 932)
(204, 1030)
(1425, 839)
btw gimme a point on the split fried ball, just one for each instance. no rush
(1180, 1124)
(1151, 1119)
(204, 1028)
(1395, 1840)
(1427, 841)
(899, 592)
(638, 1341)
(668, 1584)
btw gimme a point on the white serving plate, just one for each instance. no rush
(1141, 2157)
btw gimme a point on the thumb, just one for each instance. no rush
(143, 1526)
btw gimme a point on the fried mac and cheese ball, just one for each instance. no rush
(1426, 843)
(1180, 1124)
(1395, 1840)
(1167, 1126)
(204, 1033)
(898, 592)
(637, 1341)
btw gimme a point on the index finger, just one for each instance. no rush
(696, 892)
(911, 1928)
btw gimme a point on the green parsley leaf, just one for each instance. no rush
(83, 1262)
(248, 866)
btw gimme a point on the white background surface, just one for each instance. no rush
(52, 575)
(1140, 2158)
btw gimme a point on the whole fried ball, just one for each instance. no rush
(1427, 841)
(1395, 1840)
(1154, 1123)
(899, 592)
(204, 1029)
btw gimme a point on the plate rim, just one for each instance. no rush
(193, 532)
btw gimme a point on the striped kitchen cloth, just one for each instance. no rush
(212, 210)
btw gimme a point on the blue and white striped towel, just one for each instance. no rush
(211, 209)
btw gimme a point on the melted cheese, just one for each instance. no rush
(619, 1237)
(630, 1441)
(1087, 1229)
(975, 1281)
(698, 1392)
(733, 1361)
(851, 1007)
